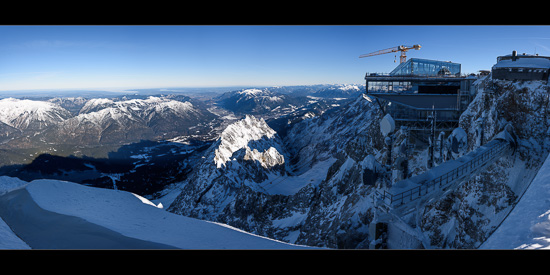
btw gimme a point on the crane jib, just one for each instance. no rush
(401, 48)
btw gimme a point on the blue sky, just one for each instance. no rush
(158, 56)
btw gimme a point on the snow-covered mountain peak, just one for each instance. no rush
(346, 87)
(96, 104)
(134, 109)
(23, 114)
(250, 91)
(258, 94)
(238, 136)
(173, 105)
(104, 120)
(151, 103)
(246, 159)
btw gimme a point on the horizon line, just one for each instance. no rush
(137, 89)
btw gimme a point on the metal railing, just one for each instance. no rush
(468, 168)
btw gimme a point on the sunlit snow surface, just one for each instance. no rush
(135, 217)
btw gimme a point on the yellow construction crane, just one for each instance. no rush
(403, 49)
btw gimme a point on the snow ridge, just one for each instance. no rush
(142, 107)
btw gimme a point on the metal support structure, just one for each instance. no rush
(472, 163)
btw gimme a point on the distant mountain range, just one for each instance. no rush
(27, 123)
(142, 141)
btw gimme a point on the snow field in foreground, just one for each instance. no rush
(135, 217)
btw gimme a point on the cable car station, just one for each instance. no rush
(418, 89)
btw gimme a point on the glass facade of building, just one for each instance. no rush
(420, 67)
(389, 86)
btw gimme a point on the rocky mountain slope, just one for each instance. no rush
(314, 184)
(276, 102)
(346, 148)
(94, 121)
(30, 114)
(93, 127)
(96, 132)
(466, 217)
(247, 154)
(316, 197)
(107, 121)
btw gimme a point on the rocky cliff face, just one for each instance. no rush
(247, 131)
(318, 196)
(344, 149)
(233, 169)
(466, 217)
(340, 208)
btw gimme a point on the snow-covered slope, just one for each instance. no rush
(8, 239)
(345, 147)
(247, 154)
(255, 101)
(339, 91)
(31, 114)
(286, 102)
(140, 107)
(103, 121)
(528, 225)
(467, 216)
(132, 216)
(322, 194)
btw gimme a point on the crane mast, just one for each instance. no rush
(403, 49)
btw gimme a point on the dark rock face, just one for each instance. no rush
(466, 217)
